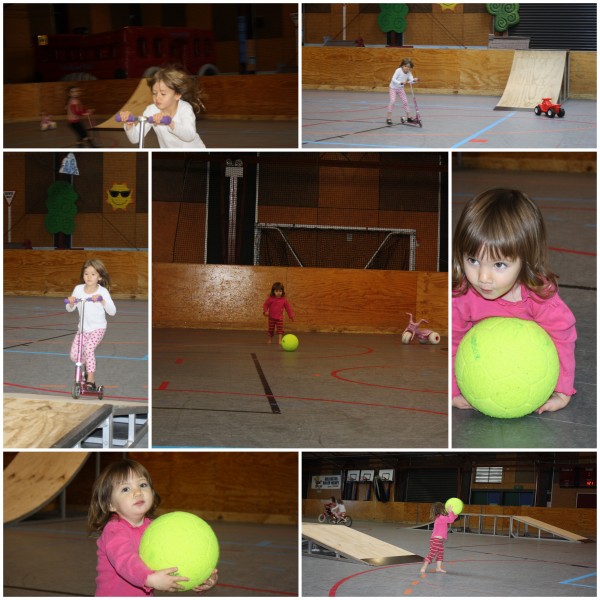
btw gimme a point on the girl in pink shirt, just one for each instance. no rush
(122, 506)
(273, 308)
(500, 269)
(441, 519)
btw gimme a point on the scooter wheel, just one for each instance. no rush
(100, 392)
(76, 391)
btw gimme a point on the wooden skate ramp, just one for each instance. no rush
(557, 531)
(358, 546)
(535, 74)
(137, 103)
(33, 479)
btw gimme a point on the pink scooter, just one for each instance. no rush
(80, 381)
(424, 336)
(142, 123)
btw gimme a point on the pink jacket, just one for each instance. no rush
(121, 571)
(440, 525)
(552, 314)
(275, 306)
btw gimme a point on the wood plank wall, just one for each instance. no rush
(273, 96)
(556, 162)
(326, 300)
(441, 71)
(577, 520)
(54, 273)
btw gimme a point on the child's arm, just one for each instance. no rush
(266, 306)
(208, 584)
(107, 303)
(288, 310)
(460, 326)
(183, 126)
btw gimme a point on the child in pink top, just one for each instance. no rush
(441, 519)
(273, 308)
(122, 506)
(500, 269)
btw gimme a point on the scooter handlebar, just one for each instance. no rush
(132, 119)
(99, 299)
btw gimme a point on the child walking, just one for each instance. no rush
(401, 76)
(92, 315)
(76, 110)
(176, 95)
(122, 507)
(273, 308)
(500, 269)
(441, 519)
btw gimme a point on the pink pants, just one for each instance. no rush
(402, 95)
(275, 323)
(91, 339)
(436, 549)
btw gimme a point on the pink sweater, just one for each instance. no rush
(121, 571)
(440, 525)
(553, 315)
(274, 307)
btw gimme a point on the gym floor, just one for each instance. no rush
(476, 565)
(256, 559)
(344, 119)
(232, 389)
(568, 203)
(38, 333)
(215, 133)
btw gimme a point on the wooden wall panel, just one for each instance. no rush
(580, 521)
(164, 225)
(334, 300)
(558, 162)
(54, 273)
(441, 71)
(233, 96)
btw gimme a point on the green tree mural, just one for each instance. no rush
(505, 15)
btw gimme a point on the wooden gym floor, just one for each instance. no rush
(232, 389)
(57, 558)
(476, 565)
(343, 119)
(568, 203)
(38, 333)
(215, 133)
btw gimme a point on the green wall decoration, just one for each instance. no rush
(62, 209)
(392, 17)
(505, 15)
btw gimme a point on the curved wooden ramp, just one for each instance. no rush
(33, 479)
(137, 103)
(346, 543)
(535, 74)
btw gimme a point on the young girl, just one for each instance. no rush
(96, 286)
(76, 110)
(273, 308)
(175, 95)
(123, 504)
(441, 519)
(401, 76)
(500, 269)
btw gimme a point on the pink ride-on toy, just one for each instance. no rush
(424, 336)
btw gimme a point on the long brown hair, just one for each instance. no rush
(503, 224)
(176, 79)
(99, 266)
(99, 512)
(437, 509)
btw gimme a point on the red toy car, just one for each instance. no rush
(550, 108)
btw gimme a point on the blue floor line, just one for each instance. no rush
(458, 144)
(63, 354)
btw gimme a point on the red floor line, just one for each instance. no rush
(251, 589)
(567, 250)
(325, 400)
(30, 387)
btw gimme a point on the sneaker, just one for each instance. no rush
(411, 120)
(90, 386)
(389, 121)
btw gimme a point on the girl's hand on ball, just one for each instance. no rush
(554, 403)
(209, 583)
(460, 402)
(164, 581)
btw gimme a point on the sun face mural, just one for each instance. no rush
(119, 196)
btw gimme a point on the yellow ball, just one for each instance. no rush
(455, 505)
(289, 342)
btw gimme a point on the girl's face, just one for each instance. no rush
(132, 499)
(405, 68)
(492, 279)
(91, 277)
(278, 293)
(164, 97)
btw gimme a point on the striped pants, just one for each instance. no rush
(402, 95)
(436, 550)
(275, 323)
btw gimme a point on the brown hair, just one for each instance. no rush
(99, 512)
(503, 224)
(407, 61)
(99, 266)
(176, 79)
(437, 509)
(277, 286)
